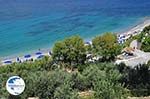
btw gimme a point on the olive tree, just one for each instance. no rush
(106, 46)
(71, 51)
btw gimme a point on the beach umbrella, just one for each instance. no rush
(27, 56)
(50, 53)
(18, 59)
(88, 42)
(38, 53)
(40, 56)
(8, 62)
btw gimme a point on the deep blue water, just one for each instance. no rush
(27, 25)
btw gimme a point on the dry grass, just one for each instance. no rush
(86, 94)
(139, 97)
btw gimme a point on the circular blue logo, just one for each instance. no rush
(15, 85)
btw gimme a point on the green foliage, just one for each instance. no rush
(136, 79)
(92, 73)
(45, 85)
(106, 46)
(140, 36)
(49, 79)
(44, 64)
(144, 37)
(146, 44)
(104, 80)
(71, 51)
(65, 92)
(81, 83)
(105, 89)
(56, 83)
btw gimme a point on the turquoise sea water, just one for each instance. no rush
(29, 25)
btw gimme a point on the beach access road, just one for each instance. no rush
(141, 58)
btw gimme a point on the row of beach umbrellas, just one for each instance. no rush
(39, 55)
(27, 57)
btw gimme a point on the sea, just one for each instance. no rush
(29, 25)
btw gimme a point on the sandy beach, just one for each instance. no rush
(22, 58)
(137, 29)
(133, 31)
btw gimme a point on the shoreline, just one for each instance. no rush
(134, 30)
(14, 57)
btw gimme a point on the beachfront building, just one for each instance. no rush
(135, 44)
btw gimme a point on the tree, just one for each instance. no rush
(49, 85)
(80, 82)
(144, 37)
(92, 73)
(104, 78)
(108, 86)
(105, 89)
(106, 46)
(71, 51)
(137, 79)
(146, 44)
(65, 92)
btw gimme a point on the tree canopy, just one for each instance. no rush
(71, 51)
(106, 46)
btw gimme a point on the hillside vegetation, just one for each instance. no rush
(68, 73)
